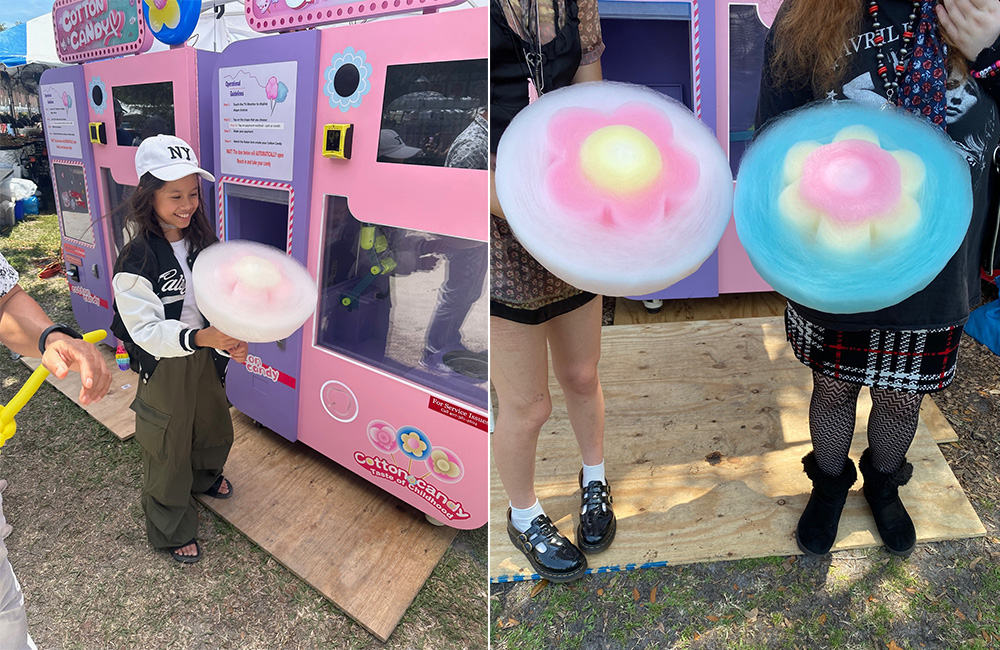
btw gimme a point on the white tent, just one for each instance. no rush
(220, 24)
(41, 41)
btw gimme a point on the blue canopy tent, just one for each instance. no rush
(14, 45)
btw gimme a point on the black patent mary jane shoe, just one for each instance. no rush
(597, 517)
(561, 561)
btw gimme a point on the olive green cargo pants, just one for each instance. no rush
(183, 426)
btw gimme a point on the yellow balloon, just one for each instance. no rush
(7, 425)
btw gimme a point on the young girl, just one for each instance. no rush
(531, 310)
(182, 420)
(894, 51)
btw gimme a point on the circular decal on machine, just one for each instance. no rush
(347, 79)
(339, 401)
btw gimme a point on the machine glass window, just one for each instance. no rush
(119, 207)
(431, 108)
(141, 111)
(74, 209)
(408, 302)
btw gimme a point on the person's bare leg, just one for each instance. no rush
(519, 373)
(575, 341)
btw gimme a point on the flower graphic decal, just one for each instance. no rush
(413, 443)
(347, 79)
(382, 436)
(98, 95)
(163, 13)
(445, 465)
(622, 169)
(851, 194)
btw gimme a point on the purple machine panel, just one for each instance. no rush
(649, 43)
(71, 161)
(263, 208)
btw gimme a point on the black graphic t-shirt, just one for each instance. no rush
(972, 124)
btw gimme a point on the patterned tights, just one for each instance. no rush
(891, 424)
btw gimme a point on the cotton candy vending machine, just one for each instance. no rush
(97, 113)
(361, 151)
(706, 54)
(664, 45)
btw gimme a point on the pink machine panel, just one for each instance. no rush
(142, 96)
(740, 29)
(284, 15)
(112, 105)
(362, 151)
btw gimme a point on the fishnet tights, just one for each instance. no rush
(891, 424)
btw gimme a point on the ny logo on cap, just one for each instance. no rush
(179, 152)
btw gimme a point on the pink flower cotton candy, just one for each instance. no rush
(614, 188)
(253, 292)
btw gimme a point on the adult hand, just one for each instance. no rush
(972, 25)
(213, 338)
(239, 353)
(63, 354)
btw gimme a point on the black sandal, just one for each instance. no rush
(214, 490)
(186, 559)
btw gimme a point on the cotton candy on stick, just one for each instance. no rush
(848, 208)
(253, 292)
(613, 187)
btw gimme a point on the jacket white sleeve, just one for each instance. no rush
(142, 313)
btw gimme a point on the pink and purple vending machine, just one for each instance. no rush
(96, 114)
(740, 29)
(706, 54)
(361, 150)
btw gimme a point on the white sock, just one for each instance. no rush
(522, 518)
(593, 473)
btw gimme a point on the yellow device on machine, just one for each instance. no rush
(7, 413)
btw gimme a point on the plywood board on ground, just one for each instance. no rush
(112, 411)
(363, 549)
(706, 427)
(724, 307)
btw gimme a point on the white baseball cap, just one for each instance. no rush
(168, 158)
(390, 145)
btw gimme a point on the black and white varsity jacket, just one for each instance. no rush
(149, 291)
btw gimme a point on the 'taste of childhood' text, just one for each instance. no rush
(393, 473)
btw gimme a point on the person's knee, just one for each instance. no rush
(527, 415)
(895, 404)
(579, 378)
(833, 393)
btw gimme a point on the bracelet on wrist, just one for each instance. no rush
(56, 327)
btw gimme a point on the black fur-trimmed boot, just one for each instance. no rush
(882, 494)
(817, 529)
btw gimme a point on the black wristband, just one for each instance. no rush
(57, 327)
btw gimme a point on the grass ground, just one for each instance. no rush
(90, 579)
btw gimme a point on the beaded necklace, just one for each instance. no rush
(883, 70)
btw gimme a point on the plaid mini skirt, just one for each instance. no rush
(914, 361)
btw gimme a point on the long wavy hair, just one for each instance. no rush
(809, 43)
(143, 223)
